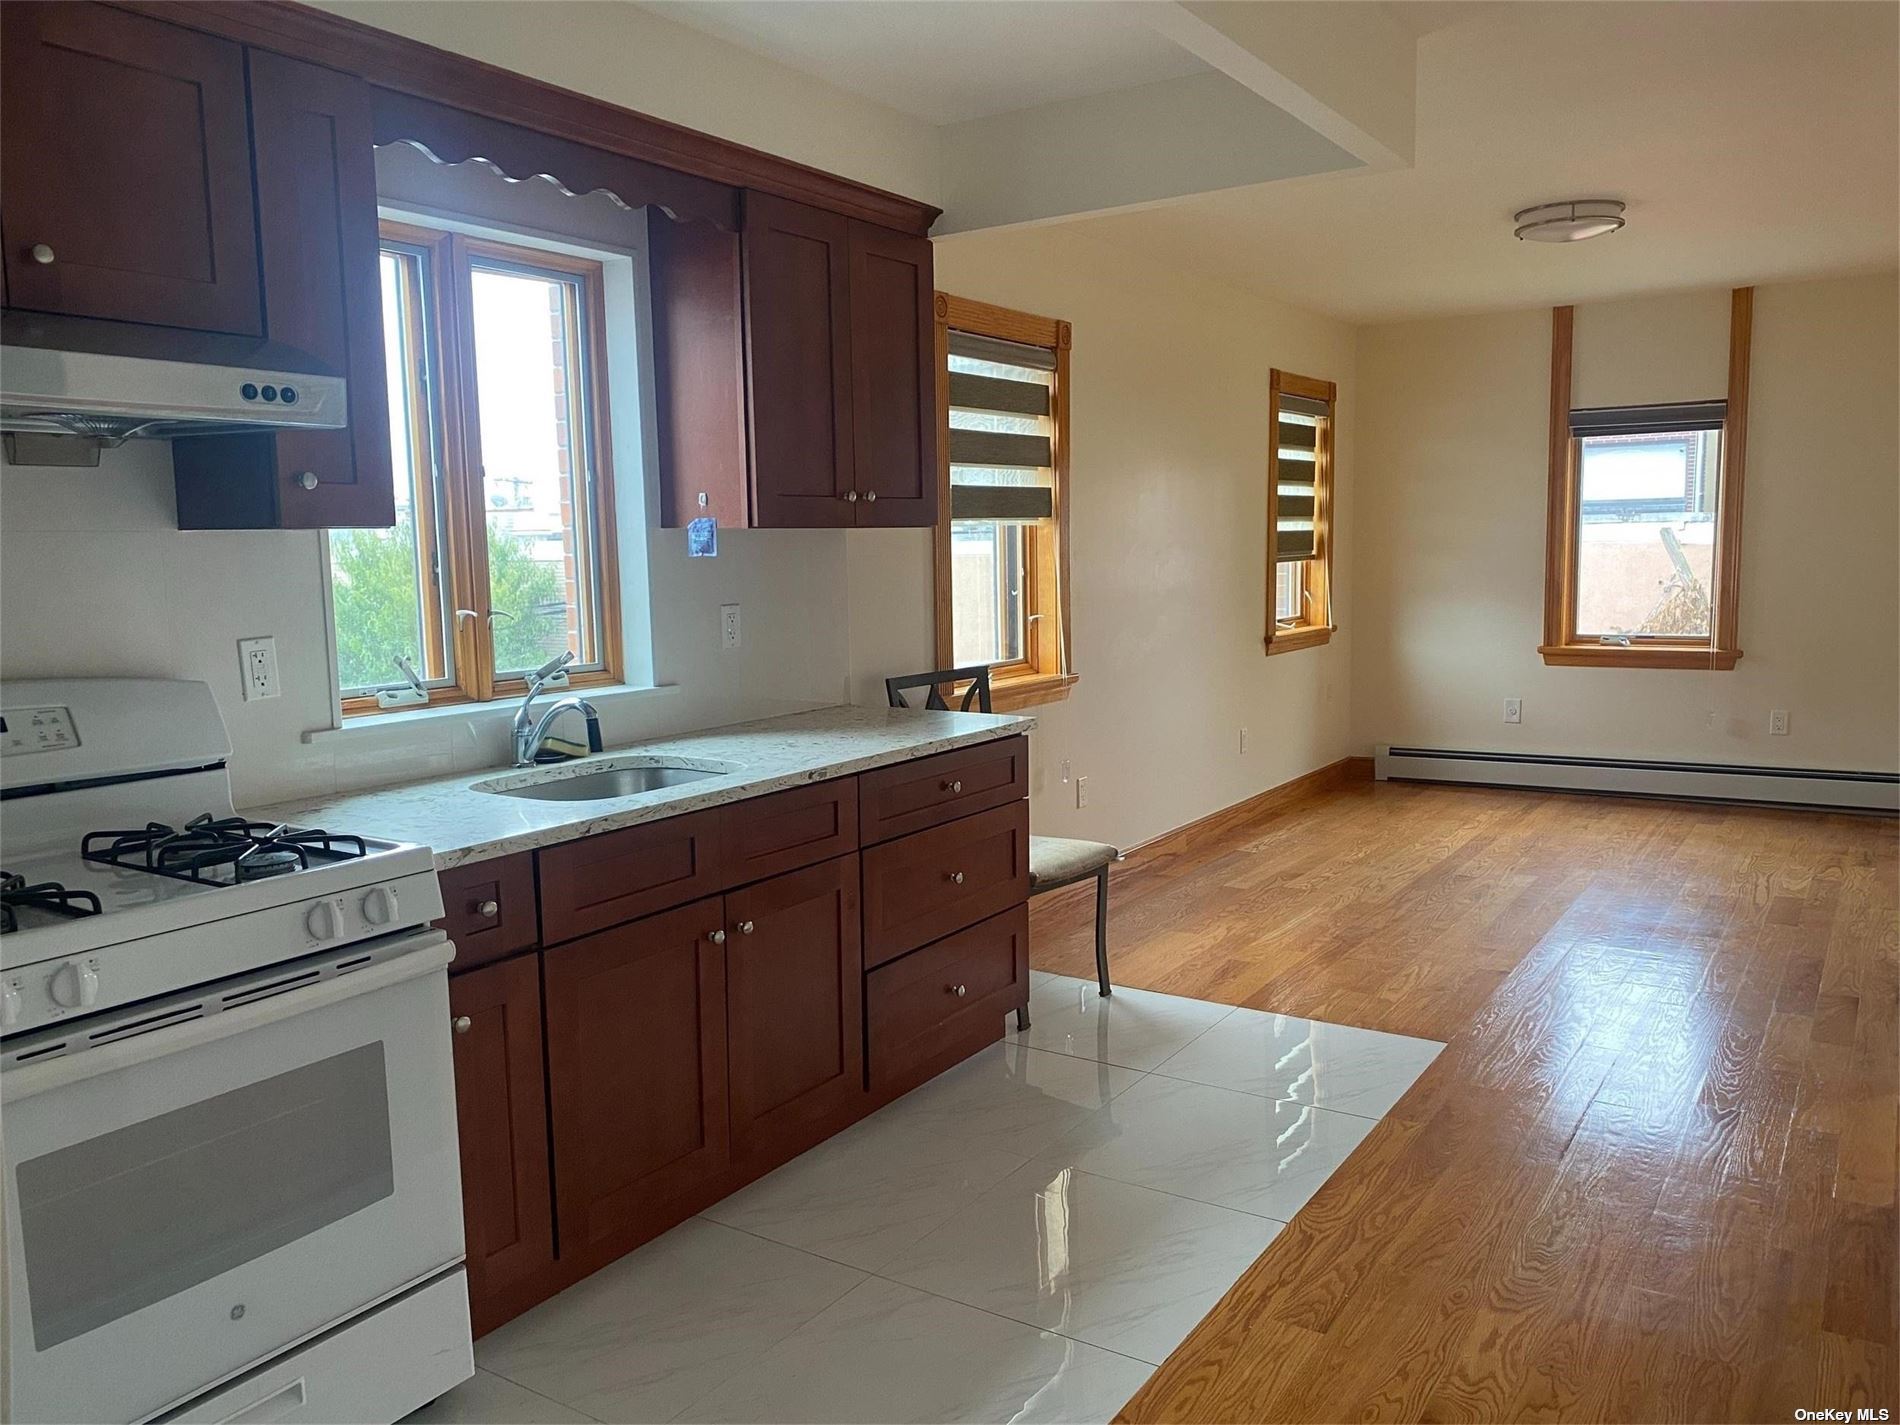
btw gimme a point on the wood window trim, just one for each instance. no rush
(1317, 576)
(446, 322)
(1562, 648)
(1047, 672)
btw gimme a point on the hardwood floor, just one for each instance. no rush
(1653, 1175)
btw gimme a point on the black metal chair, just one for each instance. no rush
(1054, 861)
(976, 697)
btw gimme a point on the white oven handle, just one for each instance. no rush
(30, 1079)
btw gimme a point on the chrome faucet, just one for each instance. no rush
(530, 734)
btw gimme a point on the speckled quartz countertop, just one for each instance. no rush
(462, 824)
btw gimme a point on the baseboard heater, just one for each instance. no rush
(1694, 781)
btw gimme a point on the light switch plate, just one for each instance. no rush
(1081, 792)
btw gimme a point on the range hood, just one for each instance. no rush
(109, 382)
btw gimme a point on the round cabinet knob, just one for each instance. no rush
(851, 496)
(953, 786)
(74, 985)
(42, 254)
(322, 921)
(745, 927)
(307, 479)
(460, 1024)
(718, 937)
(379, 906)
(488, 910)
(958, 990)
(956, 877)
(869, 496)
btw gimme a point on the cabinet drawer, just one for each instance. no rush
(488, 909)
(914, 1011)
(786, 830)
(894, 801)
(600, 881)
(922, 887)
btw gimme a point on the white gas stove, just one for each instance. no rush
(224, 1063)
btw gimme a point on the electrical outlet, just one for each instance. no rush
(257, 667)
(728, 626)
(1243, 742)
(1514, 710)
(1778, 723)
(1081, 792)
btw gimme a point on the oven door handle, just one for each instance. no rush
(431, 955)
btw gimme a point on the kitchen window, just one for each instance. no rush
(1002, 566)
(501, 557)
(1644, 522)
(1299, 512)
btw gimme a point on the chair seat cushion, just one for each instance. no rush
(1057, 860)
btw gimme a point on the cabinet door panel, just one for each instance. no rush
(893, 383)
(126, 154)
(316, 211)
(488, 909)
(794, 1003)
(699, 373)
(798, 363)
(925, 885)
(501, 1115)
(636, 1075)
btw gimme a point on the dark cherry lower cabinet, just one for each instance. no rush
(501, 1109)
(794, 1005)
(704, 1010)
(636, 1075)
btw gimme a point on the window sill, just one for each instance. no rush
(502, 709)
(1611, 655)
(1030, 692)
(1292, 640)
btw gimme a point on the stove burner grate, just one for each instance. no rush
(17, 895)
(218, 851)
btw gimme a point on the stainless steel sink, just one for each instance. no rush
(601, 785)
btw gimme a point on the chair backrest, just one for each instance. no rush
(976, 696)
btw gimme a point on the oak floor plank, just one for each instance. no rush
(1652, 1176)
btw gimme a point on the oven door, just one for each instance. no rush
(184, 1204)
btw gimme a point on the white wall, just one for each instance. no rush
(96, 579)
(1169, 420)
(1451, 494)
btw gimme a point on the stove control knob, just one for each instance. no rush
(322, 921)
(379, 906)
(74, 985)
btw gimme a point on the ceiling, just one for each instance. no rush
(945, 61)
(1752, 141)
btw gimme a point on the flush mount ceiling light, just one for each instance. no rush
(1572, 220)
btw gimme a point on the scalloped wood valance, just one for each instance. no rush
(452, 135)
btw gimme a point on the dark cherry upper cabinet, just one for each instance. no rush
(893, 377)
(636, 1076)
(127, 169)
(502, 1118)
(794, 1006)
(796, 371)
(699, 369)
(797, 270)
(316, 214)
